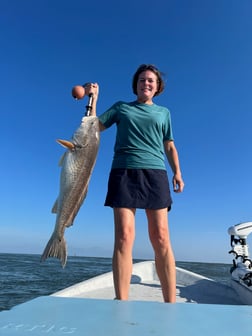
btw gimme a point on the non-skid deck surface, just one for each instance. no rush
(80, 317)
(145, 286)
(201, 292)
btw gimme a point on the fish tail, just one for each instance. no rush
(55, 248)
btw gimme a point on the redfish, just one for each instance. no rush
(77, 165)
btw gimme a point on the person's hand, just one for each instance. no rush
(92, 88)
(178, 183)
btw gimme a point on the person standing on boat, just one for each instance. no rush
(138, 177)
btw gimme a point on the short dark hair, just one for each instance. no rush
(152, 68)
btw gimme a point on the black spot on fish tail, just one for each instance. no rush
(55, 248)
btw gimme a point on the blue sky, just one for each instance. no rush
(205, 50)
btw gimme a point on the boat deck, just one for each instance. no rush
(91, 317)
(145, 286)
(151, 291)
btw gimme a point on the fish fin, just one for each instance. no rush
(55, 207)
(55, 248)
(66, 144)
(62, 159)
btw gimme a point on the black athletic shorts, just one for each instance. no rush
(138, 188)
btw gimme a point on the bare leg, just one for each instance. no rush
(122, 258)
(164, 258)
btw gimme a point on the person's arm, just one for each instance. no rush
(173, 159)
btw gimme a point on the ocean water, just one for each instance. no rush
(23, 277)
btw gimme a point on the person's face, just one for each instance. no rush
(147, 86)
